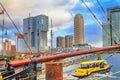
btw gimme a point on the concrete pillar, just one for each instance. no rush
(54, 71)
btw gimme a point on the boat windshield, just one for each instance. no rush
(85, 66)
(92, 65)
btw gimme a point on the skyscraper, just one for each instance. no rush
(78, 29)
(38, 32)
(60, 42)
(113, 25)
(106, 34)
(68, 41)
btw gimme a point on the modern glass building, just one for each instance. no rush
(113, 15)
(38, 32)
(106, 34)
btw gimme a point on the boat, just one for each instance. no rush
(3, 60)
(89, 67)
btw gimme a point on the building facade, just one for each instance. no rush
(13, 48)
(106, 34)
(60, 42)
(20, 43)
(6, 46)
(38, 32)
(68, 41)
(78, 29)
(113, 15)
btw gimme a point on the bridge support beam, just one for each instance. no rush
(54, 71)
(61, 56)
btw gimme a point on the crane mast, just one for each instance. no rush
(51, 37)
(2, 13)
(29, 31)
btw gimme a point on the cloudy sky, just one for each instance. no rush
(62, 13)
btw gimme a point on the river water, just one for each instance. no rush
(115, 61)
(112, 59)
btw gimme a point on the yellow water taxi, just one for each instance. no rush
(1, 76)
(86, 68)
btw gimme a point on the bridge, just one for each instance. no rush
(31, 68)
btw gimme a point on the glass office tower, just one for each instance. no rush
(106, 34)
(113, 15)
(38, 32)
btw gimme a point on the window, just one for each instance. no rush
(32, 39)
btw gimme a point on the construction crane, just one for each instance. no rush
(2, 13)
(29, 33)
(51, 37)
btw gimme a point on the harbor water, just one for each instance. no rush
(114, 74)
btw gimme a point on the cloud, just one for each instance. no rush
(89, 4)
(12, 41)
(96, 44)
(60, 17)
(57, 10)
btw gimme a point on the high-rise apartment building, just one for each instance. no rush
(68, 41)
(78, 29)
(111, 30)
(38, 26)
(60, 42)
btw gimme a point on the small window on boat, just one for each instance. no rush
(84, 66)
(105, 63)
(92, 65)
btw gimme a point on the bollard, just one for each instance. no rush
(54, 71)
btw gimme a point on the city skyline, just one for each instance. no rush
(62, 14)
